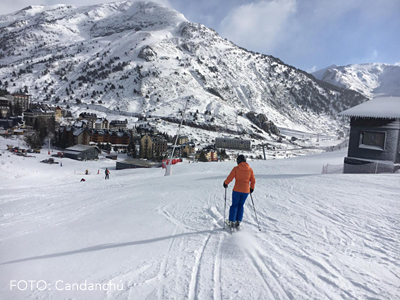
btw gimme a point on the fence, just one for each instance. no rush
(332, 169)
(367, 167)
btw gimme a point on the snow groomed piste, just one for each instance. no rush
(162, 237)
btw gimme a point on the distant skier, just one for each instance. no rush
(87, 172)
(107, 172)
(244, 184)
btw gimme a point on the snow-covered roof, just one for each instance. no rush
(80, 148)
(78, 131)
(382, 107)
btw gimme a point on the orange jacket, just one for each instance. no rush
(244, 178)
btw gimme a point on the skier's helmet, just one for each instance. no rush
(240, 159)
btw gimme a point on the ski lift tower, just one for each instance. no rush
(168, 169)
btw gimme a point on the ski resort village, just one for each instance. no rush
(144, 156)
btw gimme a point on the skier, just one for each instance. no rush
(107, 172)
(87, 172)
(244, 184)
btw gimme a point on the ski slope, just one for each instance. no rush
(156, 237)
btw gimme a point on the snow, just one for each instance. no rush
(382, 107)
(161, 237)
(371, 80)
(53, 48)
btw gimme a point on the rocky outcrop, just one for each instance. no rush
(147, 53)
(261, 121)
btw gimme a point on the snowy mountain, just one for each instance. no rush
(141, 58)
(320, 73)
(371, 80)
(142, 235)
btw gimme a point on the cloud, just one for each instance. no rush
(306, 33)
(312, 70)
(258, 25)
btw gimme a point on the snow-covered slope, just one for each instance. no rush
(144, 58)
(371, 80)
(157, 237)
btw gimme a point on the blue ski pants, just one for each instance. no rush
(236, 210)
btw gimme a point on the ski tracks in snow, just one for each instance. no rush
(191, 263)
(265, 272)
(212, 263)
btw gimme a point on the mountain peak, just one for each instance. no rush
(369, 79)
(142, 58)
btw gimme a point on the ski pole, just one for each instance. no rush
(224, 208)
(259, 229)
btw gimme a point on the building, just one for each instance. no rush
(238, 144)
(146, 147)
(146, 128)
(100, 136)
(182, 139)
(188, 148)
(88, 124)
(88, 116)
(58, 114)
(210, 155)
(374, 145)
(69, 136)
(101, 123)
(21, 101)
(82, 152)
(31, 114)
(117, 124)
(5, 104)
(183, 150)
(65, 136)
(6, 124)
(119, 140)
(81, 136)
(152, 146)
(160, 145)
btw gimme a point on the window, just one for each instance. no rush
(372, 140)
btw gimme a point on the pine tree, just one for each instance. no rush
(202, 156)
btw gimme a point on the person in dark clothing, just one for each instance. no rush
(244, 184)
(107, 172)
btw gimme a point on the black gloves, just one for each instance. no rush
(225, 185)
(251, 190)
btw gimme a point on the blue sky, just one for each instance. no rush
(308, 34)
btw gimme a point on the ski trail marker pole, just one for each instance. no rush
(224, 208)
(259, 229)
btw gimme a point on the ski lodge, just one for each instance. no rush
(374, 145)
(82, 152)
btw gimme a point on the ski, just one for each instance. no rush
(230, 229)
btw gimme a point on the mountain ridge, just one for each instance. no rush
(144, 58)
(369, 79)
